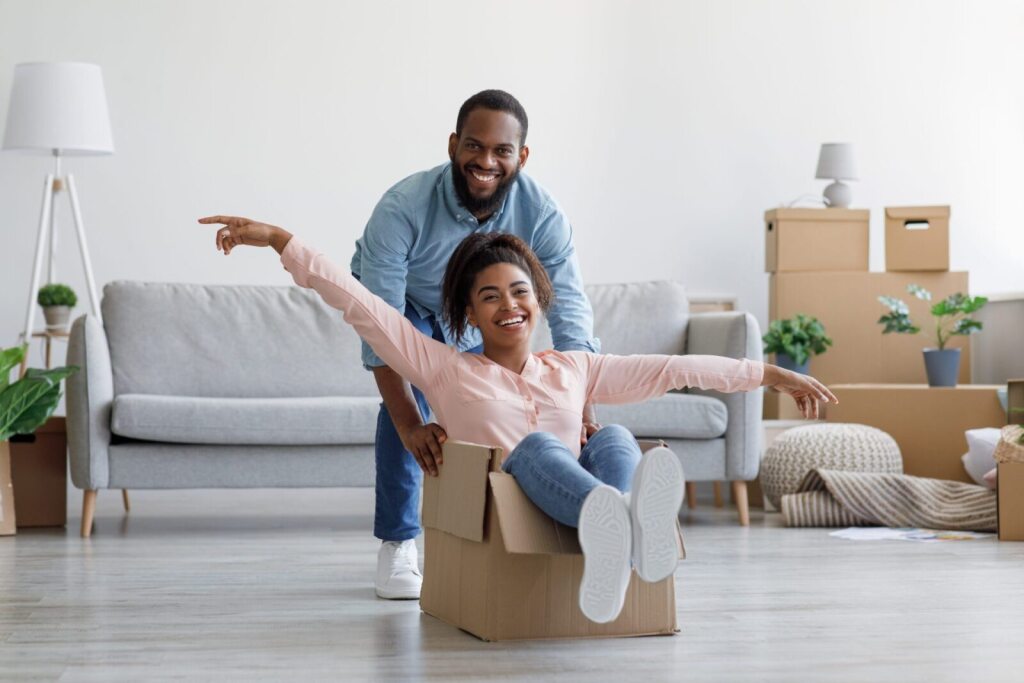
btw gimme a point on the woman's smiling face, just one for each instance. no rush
(502, 304)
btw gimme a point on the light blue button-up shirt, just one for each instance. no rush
(416, 226)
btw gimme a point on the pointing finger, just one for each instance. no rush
(226, 220)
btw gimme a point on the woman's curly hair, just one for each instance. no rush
(477, 252)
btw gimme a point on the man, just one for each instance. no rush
(401, 257)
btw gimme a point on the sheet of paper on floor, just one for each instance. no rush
(876, 533)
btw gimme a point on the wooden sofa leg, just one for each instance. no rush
(127, 503)
(691, 495)
(88, 510)
(719, 501)
(739, 494)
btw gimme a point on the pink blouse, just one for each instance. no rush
(476, 400)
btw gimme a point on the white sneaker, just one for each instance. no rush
(606, 541)
(398, 571)
(657, 493)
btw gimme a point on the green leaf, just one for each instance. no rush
(798, 337)
(10, 358)
(27, 403)
(966, 326)
(920, 292)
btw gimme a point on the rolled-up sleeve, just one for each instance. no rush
(571, 319)
(384, 254)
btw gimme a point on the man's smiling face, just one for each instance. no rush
(486, 158)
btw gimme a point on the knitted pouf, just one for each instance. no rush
(850, 447)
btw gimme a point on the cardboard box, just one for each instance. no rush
(1010, 499)
(928, 423)
(816, 239)
(1015, 402)
(7, 521)
(499, 568)
(847, 304)
(916, 238)
(39, 473)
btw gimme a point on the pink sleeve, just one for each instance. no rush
(630, 379)
(406, 350)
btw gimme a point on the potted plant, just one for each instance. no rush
(795, 340)
(952, 318)
(25, 405)
(57, 301)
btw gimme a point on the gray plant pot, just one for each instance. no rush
(57, 318)
(786, 362)
(943, 367)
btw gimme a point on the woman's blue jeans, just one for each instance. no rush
(551, 476)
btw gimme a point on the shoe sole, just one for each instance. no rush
(655, 501)
(606, 541)
(397, 595)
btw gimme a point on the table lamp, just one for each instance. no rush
(837, 163)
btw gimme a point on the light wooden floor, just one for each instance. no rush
(276, 585)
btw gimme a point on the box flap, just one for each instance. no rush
(524, 527)
(454, 500)
(911, 212)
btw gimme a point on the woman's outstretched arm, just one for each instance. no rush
(630, 379)
(411, 353)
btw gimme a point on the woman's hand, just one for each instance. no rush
(804, 389)
(237, 231)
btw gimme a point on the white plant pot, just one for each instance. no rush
(57, 318)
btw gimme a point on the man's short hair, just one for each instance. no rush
(498, 100)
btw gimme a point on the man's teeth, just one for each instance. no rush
(511, 321)
(484, 177)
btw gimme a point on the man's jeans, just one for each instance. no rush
(399, 477)
(551, 476)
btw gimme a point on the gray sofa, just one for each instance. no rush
(191, 386)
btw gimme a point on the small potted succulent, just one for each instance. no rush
(952, 318)
(57, 301)
(25, 404)
(795, 340)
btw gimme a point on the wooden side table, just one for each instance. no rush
(927, 422)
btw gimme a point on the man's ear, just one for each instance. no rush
(524, 154)
(453, 144)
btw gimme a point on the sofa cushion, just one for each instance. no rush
(234, 341)
(672, 416)
(638, 317)
(322, 420)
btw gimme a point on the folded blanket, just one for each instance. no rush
(836, 498)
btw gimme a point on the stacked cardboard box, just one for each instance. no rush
(818, 265)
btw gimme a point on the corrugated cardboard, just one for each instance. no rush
(499, 568)
(916, 238)
(39, 473)
(847, 304)
(816, 239)
(1010, 483)
(7, 520)
(928, 423)
(1015, 401)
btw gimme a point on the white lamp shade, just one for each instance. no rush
(58, 107)
(836, 162)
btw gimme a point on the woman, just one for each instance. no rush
(531, 405)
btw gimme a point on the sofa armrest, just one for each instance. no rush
(90, 395)
(736, 335)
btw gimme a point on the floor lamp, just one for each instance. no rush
(59, 109)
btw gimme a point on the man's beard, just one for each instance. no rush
(486, 205)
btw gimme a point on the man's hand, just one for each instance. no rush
(424, 442)
(804, 389)
(238, 231)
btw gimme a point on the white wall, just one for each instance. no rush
(665, 129)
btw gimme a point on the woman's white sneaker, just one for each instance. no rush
(606, 541)
(655, 499)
